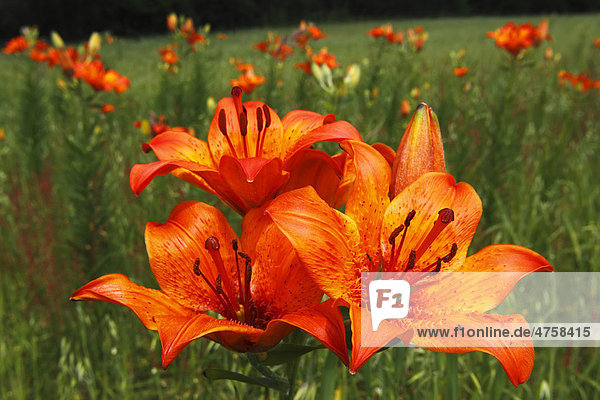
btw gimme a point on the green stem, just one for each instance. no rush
(281, 382)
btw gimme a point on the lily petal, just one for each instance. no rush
(146, 303)
(247, 182)
(302, 129)
(174, 246)
(324, 322)
(368, 199)
(175, 145)
(426, 196)
(516, 358)
(142, 174)
(176, 333)
(218, 143)
(324, 239)
(386, 151)
(279, 283)
(317, 169)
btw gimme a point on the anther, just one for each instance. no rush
(243, 124)
(452, 253)
(197, 267)
(259, 120)
(234, 244)
(236, 91)
(395, 234)
(409, 218)
(369, 257)
(267, 115)
(223, 122)
(438, 266)
(446, 215)
(212, 243)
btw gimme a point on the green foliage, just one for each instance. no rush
(526, 144)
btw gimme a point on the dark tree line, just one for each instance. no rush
(75, 19)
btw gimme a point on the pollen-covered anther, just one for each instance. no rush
(197, 267)
(259, 119)
(212, 243)
(243, 124)
(452, 253)
(267, 114)
(395, 234)
(409, 218)
(234, 244)
(446, 215)
(223, 122)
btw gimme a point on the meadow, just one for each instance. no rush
(527, 143)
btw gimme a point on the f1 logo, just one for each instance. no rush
(389, 299)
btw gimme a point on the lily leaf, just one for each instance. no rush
(286, 352)
(218, 374)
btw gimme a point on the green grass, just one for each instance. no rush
(527, 145)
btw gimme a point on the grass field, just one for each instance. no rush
(527, 144)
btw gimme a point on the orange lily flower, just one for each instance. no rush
(516, 38)
(253, 282)
(251, 155)
(248, 81)
(427, 227)
(597, 42)
(39, 53)
(106, 108)
(461, 71)
(168, 55)
(16, 45)
(581, 81)
(323, 57)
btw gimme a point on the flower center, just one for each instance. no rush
(234, 306)
(445, 217)
(263, 121)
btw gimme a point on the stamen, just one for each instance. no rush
(197, 267)
(407, 220)
(392, 241)
(213, 246)
(438, 266)
(445, 216)
(452, 253)
(261, 141)
(243, 118)
(259, 127)
(234, 244)
(223, 129)
(236, 94)
(218, 291)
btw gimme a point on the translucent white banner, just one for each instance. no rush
(474, 309)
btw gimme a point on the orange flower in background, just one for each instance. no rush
(168, 55)
(222, 36)
(94, 74)
(405, 108)
(305, 66)
(597, 42)
(248, 81)
(516, 38)
(323, 57)
(416, 38)
(115, 81)
(275, 47)
(254, 282)
(305, 32)
(106, 108)
(251, 155)
(39, 53)
(387, 32)
(581, 81)
(461, 71)
(16, 45)
(427, 227)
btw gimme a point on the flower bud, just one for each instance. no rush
(172, 22)
(94, 44)
(420, 150)
(57, 41)
(352, 76)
